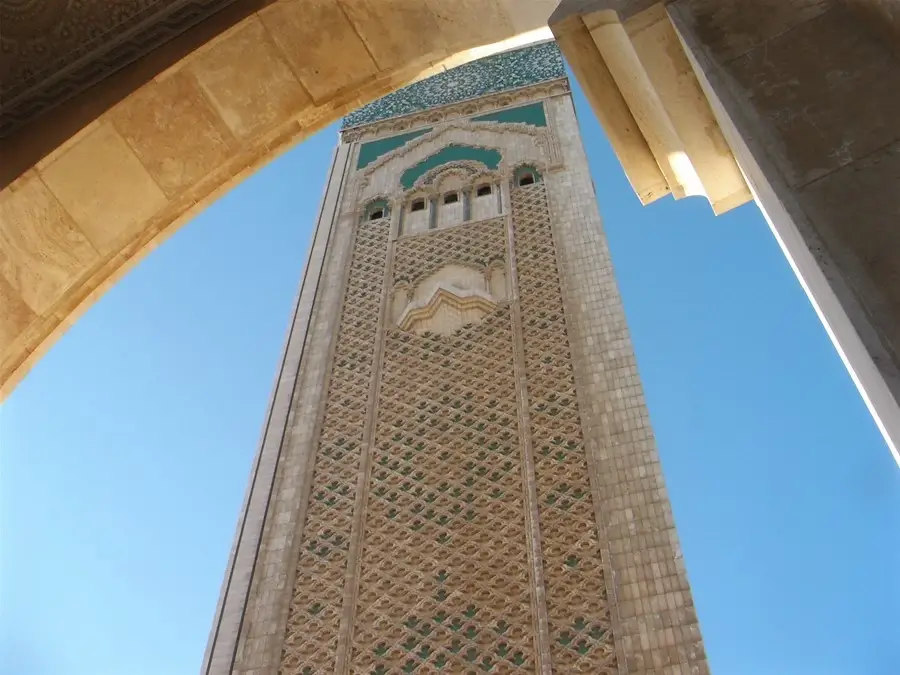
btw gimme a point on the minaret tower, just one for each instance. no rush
(457, 472)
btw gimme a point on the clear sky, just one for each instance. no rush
(125, 453)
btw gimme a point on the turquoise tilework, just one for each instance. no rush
(490, 75)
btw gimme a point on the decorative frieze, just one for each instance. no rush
(501, 72)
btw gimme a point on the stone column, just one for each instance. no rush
(433, 213)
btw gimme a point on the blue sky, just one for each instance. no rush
(125, 453)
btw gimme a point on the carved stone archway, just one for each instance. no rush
(122, 120)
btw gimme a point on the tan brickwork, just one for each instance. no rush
(417, 257)
(445, 576)
(657, 623)
(445, 581)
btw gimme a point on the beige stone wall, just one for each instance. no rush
(790, 103)
(656, 624)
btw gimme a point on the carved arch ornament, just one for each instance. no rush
(365, 208)
(488, 135)
(452, 297)
(434, 182)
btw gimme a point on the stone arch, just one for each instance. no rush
(454, 175)
(490, 158)
(417, 211)
(96, 183)
(526, 174)
(459, 179)
(377, 209)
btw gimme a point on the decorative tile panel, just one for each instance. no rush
(369, 152)
(532, 114)
(489, 157)
(490, 75)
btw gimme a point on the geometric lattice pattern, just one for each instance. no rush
(476, 245)
(317, 601)
(581, 639)
(445, 584)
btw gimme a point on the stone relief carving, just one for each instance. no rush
(497, 282)
(475, 135)
(457, 174)
(363, 208)
(377, 181)
(453, 297)
(53, 49)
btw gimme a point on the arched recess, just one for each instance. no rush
(95, 183)
(526, 174)
(489, 157)
(377, 209)
(458, 180)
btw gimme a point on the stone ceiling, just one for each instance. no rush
(51, 50)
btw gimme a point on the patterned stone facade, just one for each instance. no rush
(474, 489)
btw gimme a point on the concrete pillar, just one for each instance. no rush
(806, 95)
(809, 101)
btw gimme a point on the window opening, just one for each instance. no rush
(451, 198)
(526, 179)
(483, 191)
(418, 205)
(376, 214)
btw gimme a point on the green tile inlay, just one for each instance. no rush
(451, 153)
(369, 152)
(532, 114)
(508, 70)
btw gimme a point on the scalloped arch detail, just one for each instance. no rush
(489, 157)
